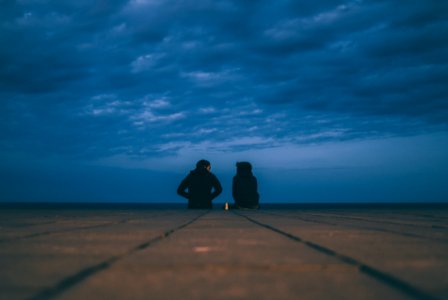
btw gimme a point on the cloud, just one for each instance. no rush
(207, 110)
(145, 62)
(159, 103)
(148, 116)
(107, 104)
(128, 76)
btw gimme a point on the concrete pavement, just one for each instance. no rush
(184, 254)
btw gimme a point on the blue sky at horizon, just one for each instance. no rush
(330, 100)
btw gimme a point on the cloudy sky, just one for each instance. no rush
(330, 100)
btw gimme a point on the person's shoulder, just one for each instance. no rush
(190, 174)
(213, 176)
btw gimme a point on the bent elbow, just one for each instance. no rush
(219, 190)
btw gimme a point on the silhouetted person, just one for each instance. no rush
(200, 183)
(244, 187)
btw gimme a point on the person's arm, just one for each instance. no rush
(256, 189)
(234, 189)
(183, 186)
(217, 187)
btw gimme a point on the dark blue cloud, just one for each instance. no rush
(341, 59)
(150, 78)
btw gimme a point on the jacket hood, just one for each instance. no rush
(201, 172)
(244, 173)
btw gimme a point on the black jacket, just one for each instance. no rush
(200, 184)
(244, 190)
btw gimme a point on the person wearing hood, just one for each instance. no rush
(200, 187)
(244, 187)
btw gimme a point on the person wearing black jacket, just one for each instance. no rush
(244, 187)
(200, 183)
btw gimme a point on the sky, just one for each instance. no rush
(331, 101)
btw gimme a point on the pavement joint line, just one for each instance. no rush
(425, 216)
(44, 233)
(72, 280)
(375, 221)
(362, 267)
(442, 240)
(33, 235)
(375, 229)
(26, 225)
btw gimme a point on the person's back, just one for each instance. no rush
(244, 187)
(200, 183)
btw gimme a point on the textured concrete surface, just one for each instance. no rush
(268, 254)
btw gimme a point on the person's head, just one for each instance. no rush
(203, 165)
(243, 167)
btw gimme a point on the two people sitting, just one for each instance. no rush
(201, 186)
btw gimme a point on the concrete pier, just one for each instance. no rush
(328, 253)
